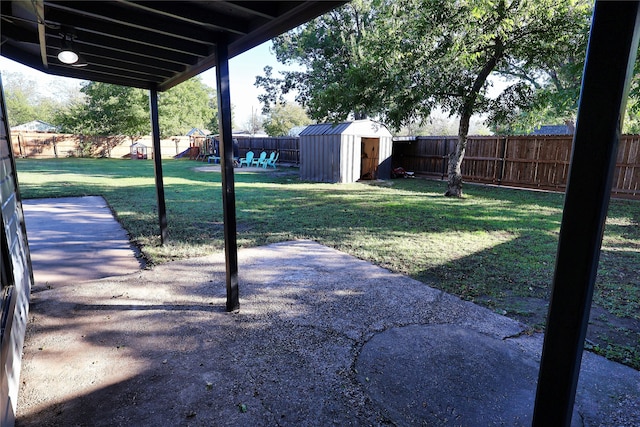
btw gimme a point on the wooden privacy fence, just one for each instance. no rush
(49, 145)
(531, 161)
(519, 161)
(43, 145)
(288, 147)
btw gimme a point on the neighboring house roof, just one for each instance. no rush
(244, 133)
(36, 126)
(295, 131)
(241, 134)
(357, 127)
(552, 130)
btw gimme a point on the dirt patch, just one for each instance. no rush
(617, 338)
(281, 171)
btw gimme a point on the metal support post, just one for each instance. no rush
(157, 162)
(605, 85)
(228, 186)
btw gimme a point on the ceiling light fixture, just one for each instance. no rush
(67, 54)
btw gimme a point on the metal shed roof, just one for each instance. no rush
(358, 127)
(146, 44)
(325, 129)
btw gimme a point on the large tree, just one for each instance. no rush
(282, 117)
(442, 53)
(119, 110)
(109, 110)
(556, 79)
(330, 49)
(188, 105)
(557, 91)
(24, 102)
(399, 59)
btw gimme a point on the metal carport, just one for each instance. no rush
(157, 44)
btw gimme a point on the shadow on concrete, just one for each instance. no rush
(321, 338)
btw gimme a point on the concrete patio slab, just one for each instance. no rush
(321, 338)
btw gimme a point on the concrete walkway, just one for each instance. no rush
(321, 338)
(76, 239)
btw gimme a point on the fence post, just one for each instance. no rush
(20, 145)
(445, 157)
(503, 160)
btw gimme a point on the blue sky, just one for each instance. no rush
(243, 70)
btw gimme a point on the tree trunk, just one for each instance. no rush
(454, 185)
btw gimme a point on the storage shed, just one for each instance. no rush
(345, 152)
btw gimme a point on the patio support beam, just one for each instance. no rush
(608, 69)
(157, 162)
(42, 31)
(226, 165)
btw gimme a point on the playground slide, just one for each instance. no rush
(181, 155)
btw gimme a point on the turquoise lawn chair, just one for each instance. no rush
(271, 161)
(259, 160)
(266, 160)
(246, 160)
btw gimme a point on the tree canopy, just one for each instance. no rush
(118, 110)
(398, 60)
(114, 110)
(331, 49)
(190, 104)
(22, 103)
(283, 117)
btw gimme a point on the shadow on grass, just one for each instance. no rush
(156, 348)
(496, 246)
(511, 280)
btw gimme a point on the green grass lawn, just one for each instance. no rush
(495, 247)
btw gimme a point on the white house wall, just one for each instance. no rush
(17, 277)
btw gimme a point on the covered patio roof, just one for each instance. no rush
(153, 45)
(145, 44)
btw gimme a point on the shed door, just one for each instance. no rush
(370, 158)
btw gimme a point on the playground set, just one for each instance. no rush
(203, 147)
(207, 148)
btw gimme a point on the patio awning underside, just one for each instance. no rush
(145, 44)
